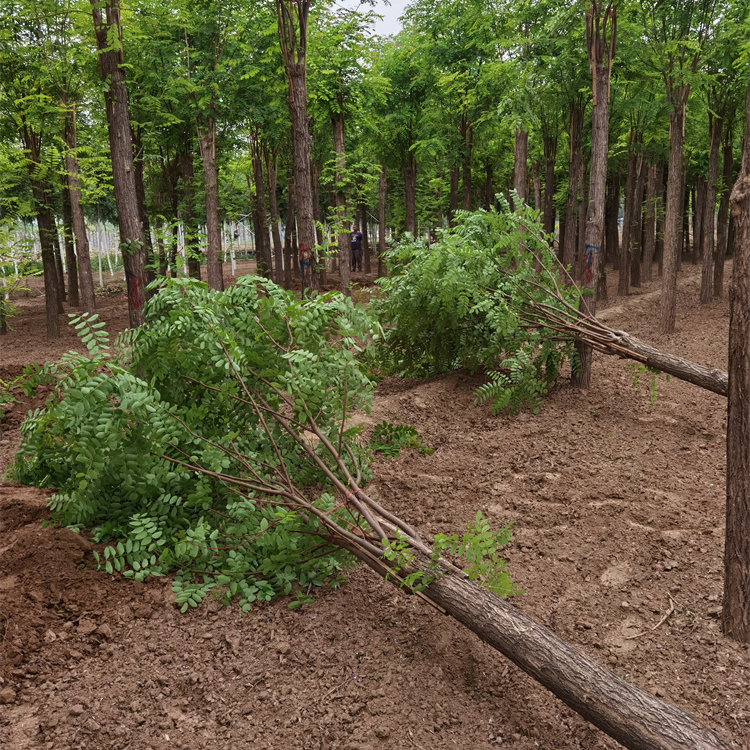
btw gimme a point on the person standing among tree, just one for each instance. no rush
(356, 244)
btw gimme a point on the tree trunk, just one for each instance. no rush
(623, 286)
(520, 165)
(317, 218)
(600, 60)
(735, 613)
(70, 255)
(672, 215)
(365, 239)
(207, 143)
(637, 225)
(132, 239)
(722, 231)
(649, 230)
(343, 241)
(46, 225)
(581, 221)
(537, 180)
(550, 155)
(613, 221)
(262, 240)
(453, 195)
(289, 260)
(189, 222)
(489, 198)
(410, 192)
(699, 210)
(272, 171)
(468, 136)
(140, 191)
(85, 276)
(303, 203)
(381, 223)
(571, 217)
(58, 266)
(709, 218)
(659, 210)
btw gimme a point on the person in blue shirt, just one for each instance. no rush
(356, 243)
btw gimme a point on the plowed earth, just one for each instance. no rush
(618, 506)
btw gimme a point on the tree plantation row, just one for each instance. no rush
(619, 123)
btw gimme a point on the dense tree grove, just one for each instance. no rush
(173, 119)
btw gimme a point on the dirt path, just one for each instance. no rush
(606, 530)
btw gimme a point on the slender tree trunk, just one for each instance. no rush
(289, 260)
(709, 217)
(580, 261)
(537, 180)
(571, 218)
(600, 59)
(672, 215)
(262, 240)
(58, 266)
(189, 221)
(70, 255)
(410, 192)
(699, 211)
(365, 239)
(160, 249)
(453, 195)
(637, 225)
(214, 265)
(85, 276)
(613, 221)
(659, 209)
(468, 136)
(272, 171)
(343, 241)
(550, 155)
(722, 232)
(623, 286)
(520, 165)
(174, 247)
(140, 190)
(132, 238)
(381, 223)
(489, 198)
(561, 239)
(735, 615)
(649, 231)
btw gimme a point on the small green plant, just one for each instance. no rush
(653, 389)
(390, 440)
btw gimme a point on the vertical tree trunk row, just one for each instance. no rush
(722, 231)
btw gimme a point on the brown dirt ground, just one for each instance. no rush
(618, 504)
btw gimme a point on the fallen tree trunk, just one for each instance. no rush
(630, 715)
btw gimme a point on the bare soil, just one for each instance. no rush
(618, 507)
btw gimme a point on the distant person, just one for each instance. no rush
(356, 242)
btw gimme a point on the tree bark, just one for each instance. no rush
(453, 196)
(189, 222)
(343, 241)
(58, 265)
(365, 239)
(272, 171)
(468, 136)
(550, 155)
(410, 192)
(659, 210)
(85, 276)
(537, 181)
(630, 715)
(699, 210)
(70, 255)
(709, 218)
(288, 230)
(613, 221)
(722, 231)
(489, 198)
(735, 613)
(381, 223)
(600, 54)
(140, 191)
(649, 230)
(46, 225)
(520, 165)
(673, 210)
(132, 239)
(207, 142)
(623, 285)
(262, 239)
(571, 218)
(637, 225)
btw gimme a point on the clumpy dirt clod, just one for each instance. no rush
(618, 509)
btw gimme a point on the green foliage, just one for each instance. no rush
(479, 547)
(456, 304)
(390, 440)
(120, 421)
(653, 388)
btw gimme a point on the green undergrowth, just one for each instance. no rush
(456, 303)
(117, 416)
